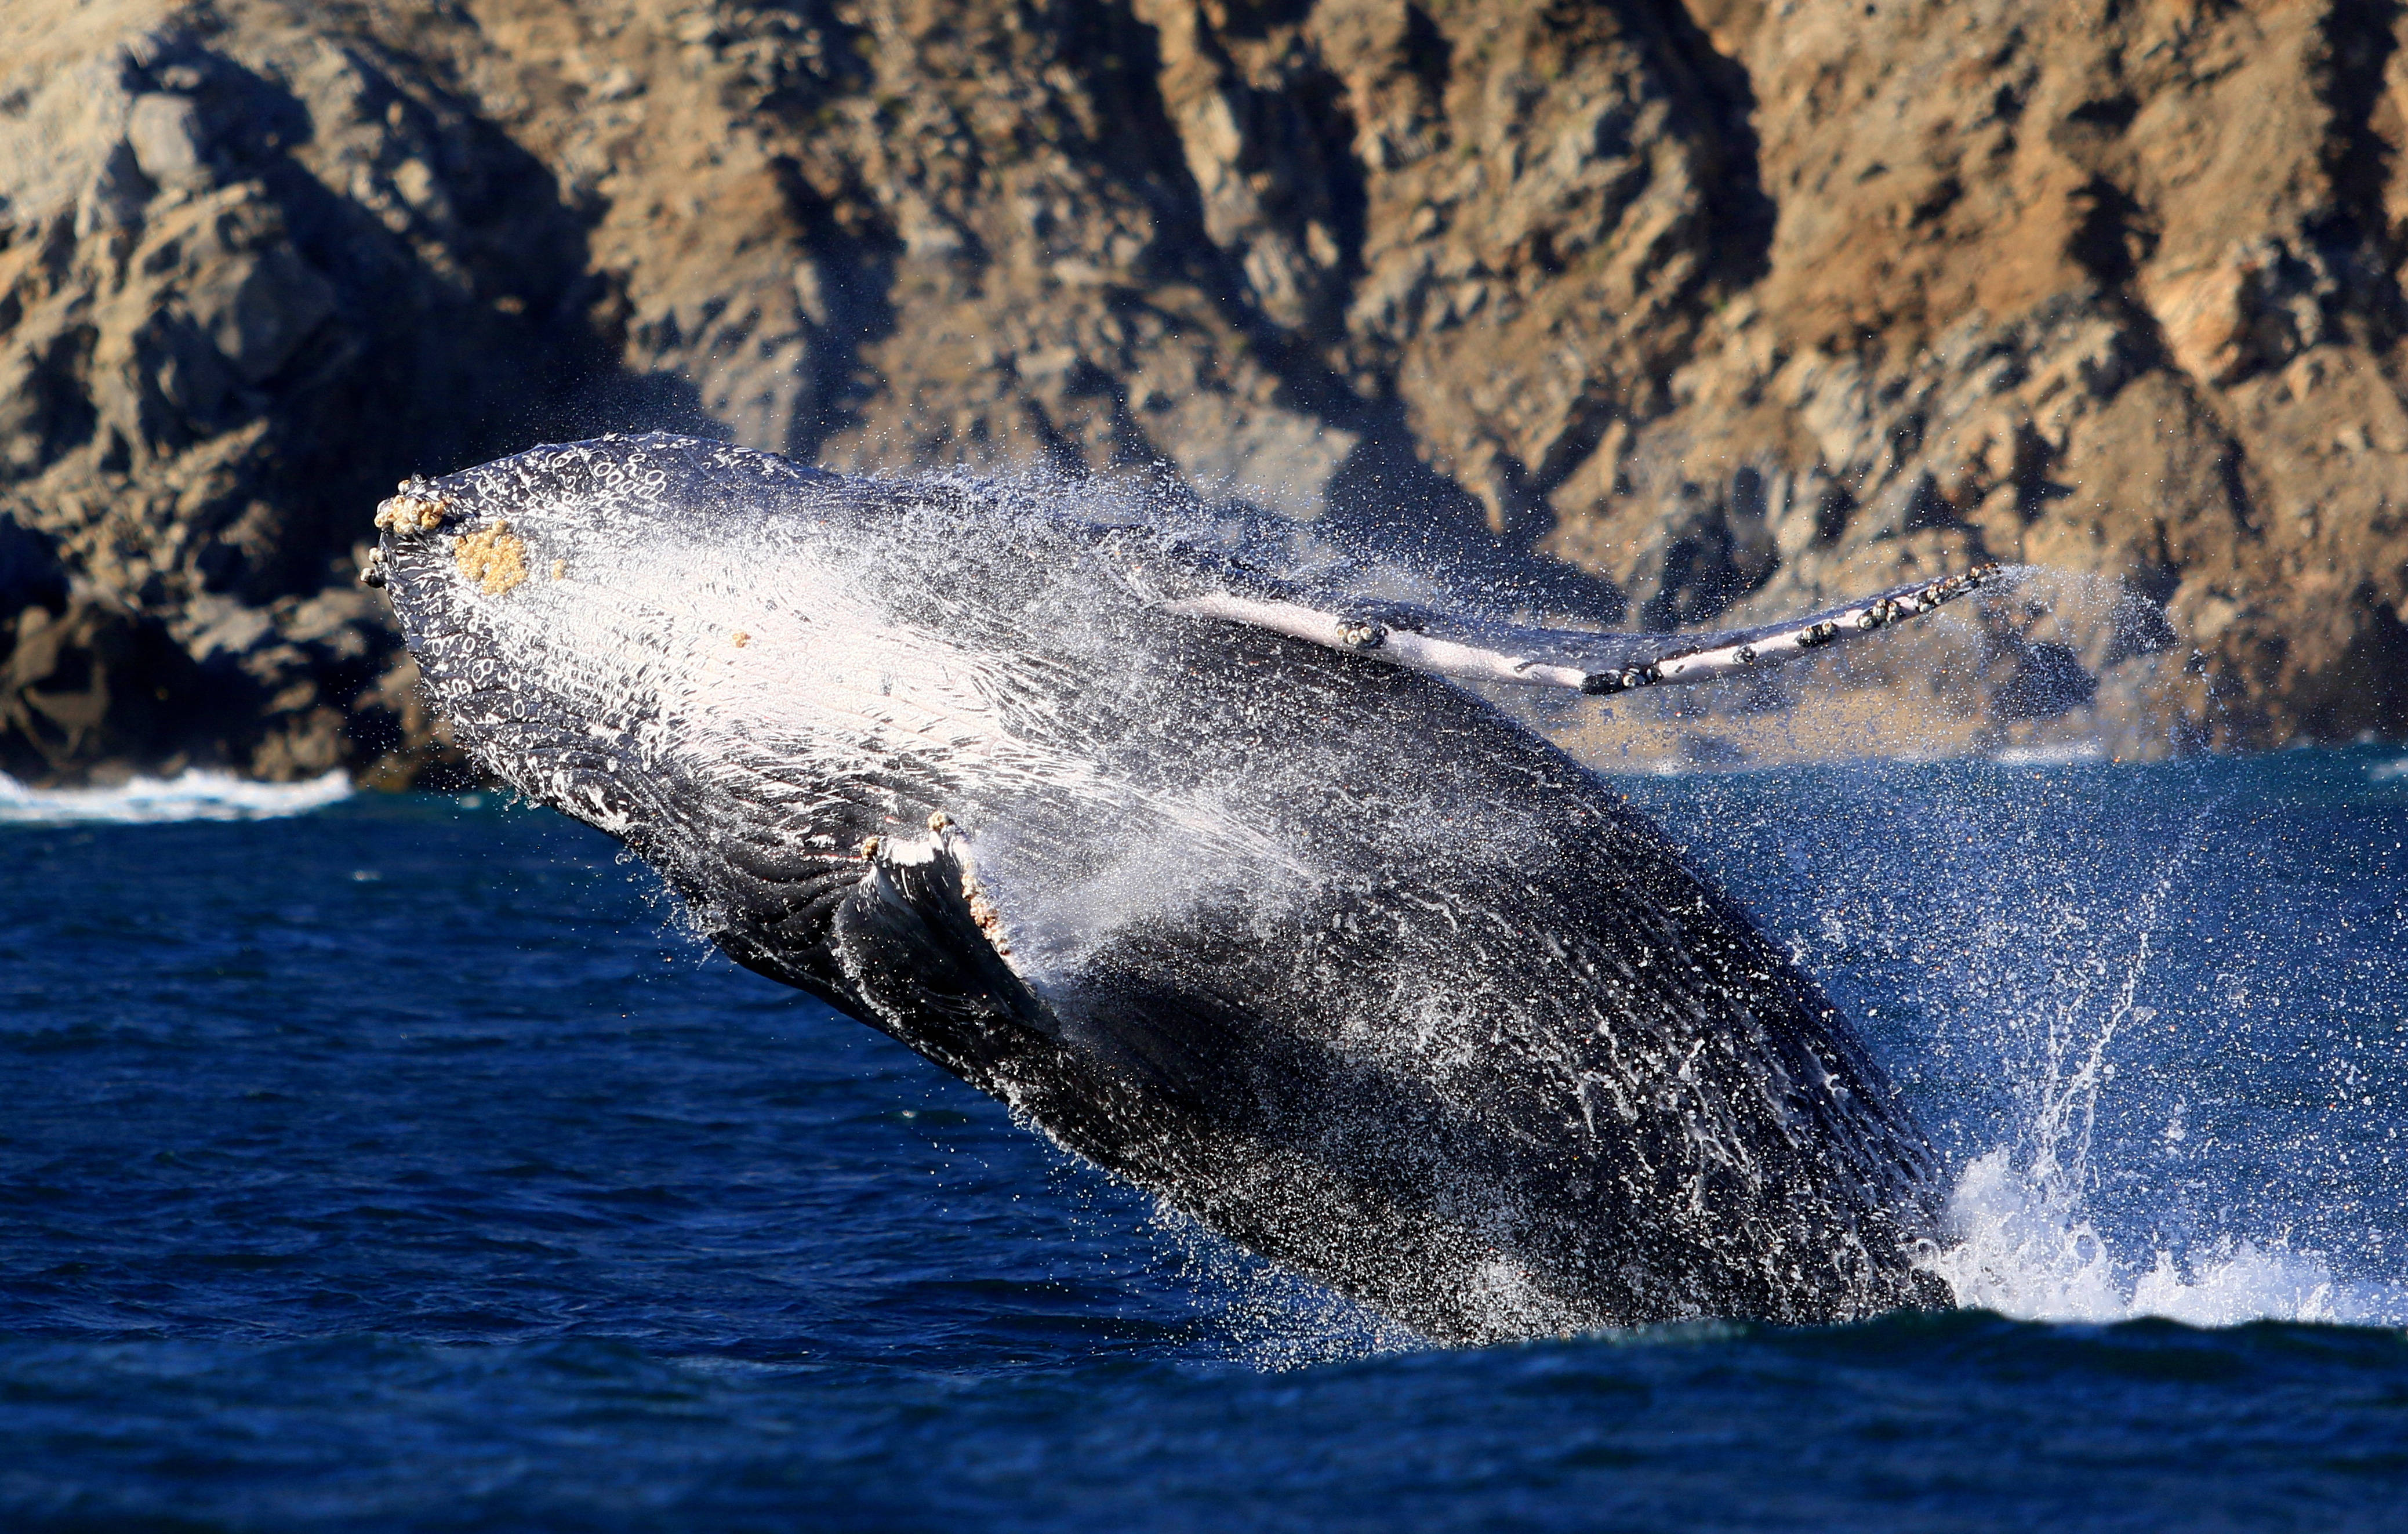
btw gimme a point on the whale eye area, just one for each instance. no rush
(494, 559)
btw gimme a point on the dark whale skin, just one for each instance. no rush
(1333, 957)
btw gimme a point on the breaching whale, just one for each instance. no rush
(1205, 866)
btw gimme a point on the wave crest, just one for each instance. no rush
(190, 795)
(2024, 1248)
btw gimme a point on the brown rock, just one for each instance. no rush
(1706, 311)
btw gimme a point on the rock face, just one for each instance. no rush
(1661, 313)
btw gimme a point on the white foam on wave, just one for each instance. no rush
(2025, 1249)
(190, 795)
(2060, 754)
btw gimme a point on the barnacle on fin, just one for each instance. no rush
(989, 919)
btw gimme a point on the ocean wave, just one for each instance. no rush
(189, 795)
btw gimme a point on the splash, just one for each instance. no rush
(2023, 1239)
(2027, 1249)
(191, 796)
(2031, 1251)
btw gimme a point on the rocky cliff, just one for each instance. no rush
(1658, 312)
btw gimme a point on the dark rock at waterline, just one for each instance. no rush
(294, 688)
(1664, 315)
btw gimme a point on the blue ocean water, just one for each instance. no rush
(403, 1163)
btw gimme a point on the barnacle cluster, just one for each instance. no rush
(415, 509)
(495, 558)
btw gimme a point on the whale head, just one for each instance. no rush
(565, 602)
(739, 666)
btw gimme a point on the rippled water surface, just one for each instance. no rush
(399, 1162)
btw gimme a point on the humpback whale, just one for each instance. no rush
(1204, 861)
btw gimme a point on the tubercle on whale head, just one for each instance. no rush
(415, 507)
(494, 558)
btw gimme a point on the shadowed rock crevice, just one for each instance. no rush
(845, 295)
(2363, 154)
(1743, 216)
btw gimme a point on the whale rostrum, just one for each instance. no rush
(1194, 855)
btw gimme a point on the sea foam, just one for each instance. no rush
(190, 795)
(2025, 1249)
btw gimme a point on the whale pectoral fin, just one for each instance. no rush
(911, 946)
(1448, 645)
(920, 962)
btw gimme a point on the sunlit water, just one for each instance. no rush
(396, 1163)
